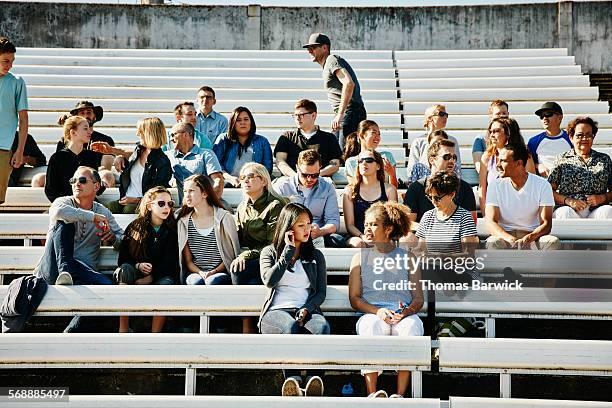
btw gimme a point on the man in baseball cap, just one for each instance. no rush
(544, 147)
(341, 84)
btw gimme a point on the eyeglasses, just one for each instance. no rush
(441, 114)
(80, 180)
(584, 136)
(162, 203)
(310, 175)
(367, 160)
(546, 115)
(435, 199)
(449, 156)
(249, 176)
(300, 115)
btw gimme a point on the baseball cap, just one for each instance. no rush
(550, 106)
(317, 39)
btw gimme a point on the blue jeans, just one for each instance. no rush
(216, 279)
(282, 321)
(58, 257)
(249, 276)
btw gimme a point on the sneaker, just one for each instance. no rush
(378, 394)
(314, 387)
(396, 396)
(64, 278)
(291, 388)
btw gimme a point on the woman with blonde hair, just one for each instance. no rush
(368, 188)
(435, 119)
(148, 166)
(256, 218)
(63, 163)
(148, 253)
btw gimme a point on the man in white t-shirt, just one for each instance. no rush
(519, 205)
(546, 146)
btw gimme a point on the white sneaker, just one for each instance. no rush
(64, 278)
(396, 396)
(314, 387)
(291, 388)
(378, 394)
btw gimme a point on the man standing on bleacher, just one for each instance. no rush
(78, 226)
(341, 84)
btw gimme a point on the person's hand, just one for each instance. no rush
(289, 238)
(238, 265)
(145, 267)
(101, 222)
(396, 318)
(595, 199)
(315, 231)
(525, 241)
(146, 280)
(17, 159)
(576, 204)
(337, 122)
(119, 163)
(510, 240)
(389, 168)
(384, 314)
(301, 315)
(101, 147)
(129, 200)
(234, 181)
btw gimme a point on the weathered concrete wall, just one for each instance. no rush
(585, 28)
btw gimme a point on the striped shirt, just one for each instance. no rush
(203, 247)
(445, 235)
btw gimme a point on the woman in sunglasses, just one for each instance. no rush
(501, 131)
(207, 235)
(241, 145)
(367, 137)
(368, 188)
(148, 253)
(147, 167)
(256, 217)
(435, 119)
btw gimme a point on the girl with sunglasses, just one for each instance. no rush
(207, 235)
(368, 188)
(367, 137)
(148, 253)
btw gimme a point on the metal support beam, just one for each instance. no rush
(490, 327)
(417, 384)
(505, 385)
(190, 381)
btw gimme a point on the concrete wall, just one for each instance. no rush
(585, 28)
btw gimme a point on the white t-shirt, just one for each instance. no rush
(550, 147)
(135, 187)
(519, 210)
(292, 289)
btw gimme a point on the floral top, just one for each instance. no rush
(577, 178)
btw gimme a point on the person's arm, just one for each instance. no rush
(355, 291)
(331, 168)
(318, 298)
(62, 210)
(331, 213)
(411, 201)
(531, 168)
(218, 183)
(492, 217)
(391, 192)
(283, 166)
(482, 176)
(348, 86)
(188, 260)
(349, 214)
(164, 171)
(271, 268)
(125, 256)
(17, 159)
(413, 156)
(545, 214)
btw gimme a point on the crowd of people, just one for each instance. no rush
(274, 237)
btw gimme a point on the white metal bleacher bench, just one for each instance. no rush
(475, 402)
(525, 356)
(194, 351)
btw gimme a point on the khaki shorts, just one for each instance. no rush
(5, 172)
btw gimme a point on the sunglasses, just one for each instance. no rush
(162, 203)
(546, 115)
(249, 176)
(449, 156)
(584, 136)
(442, 114)
(300, 115)
(367, 160)
(310, 175)
(435, 199)
(80, 180)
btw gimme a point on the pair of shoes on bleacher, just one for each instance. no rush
(64, 278)
(383, 394)
(314, 387)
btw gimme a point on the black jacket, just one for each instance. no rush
(157, 170)
(22, 299)
(61, 168)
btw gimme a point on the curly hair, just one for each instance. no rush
(394, 215)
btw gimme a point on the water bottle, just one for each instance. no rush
(347, 390)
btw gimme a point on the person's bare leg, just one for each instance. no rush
(38, 180)
(158, 324)
(124, 324)
(371, 380)
(107, 161)
(248, 326)
(403, 380)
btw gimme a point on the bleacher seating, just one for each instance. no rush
(475, 402)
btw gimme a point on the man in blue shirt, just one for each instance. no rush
(307, 187)
(208, 122)
(13, 113)
(188, 159)
(186, 112)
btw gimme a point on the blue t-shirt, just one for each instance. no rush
(13, 98)
(544, 149)
(479, 145)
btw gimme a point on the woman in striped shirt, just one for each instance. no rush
(207, 235)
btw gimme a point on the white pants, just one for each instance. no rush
(370, 325)
(600, 213)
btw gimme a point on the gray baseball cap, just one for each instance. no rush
(317, 39)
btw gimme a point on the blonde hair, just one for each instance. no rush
(72, 123)
(153, 132)
(262, 172)
(430, 111)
